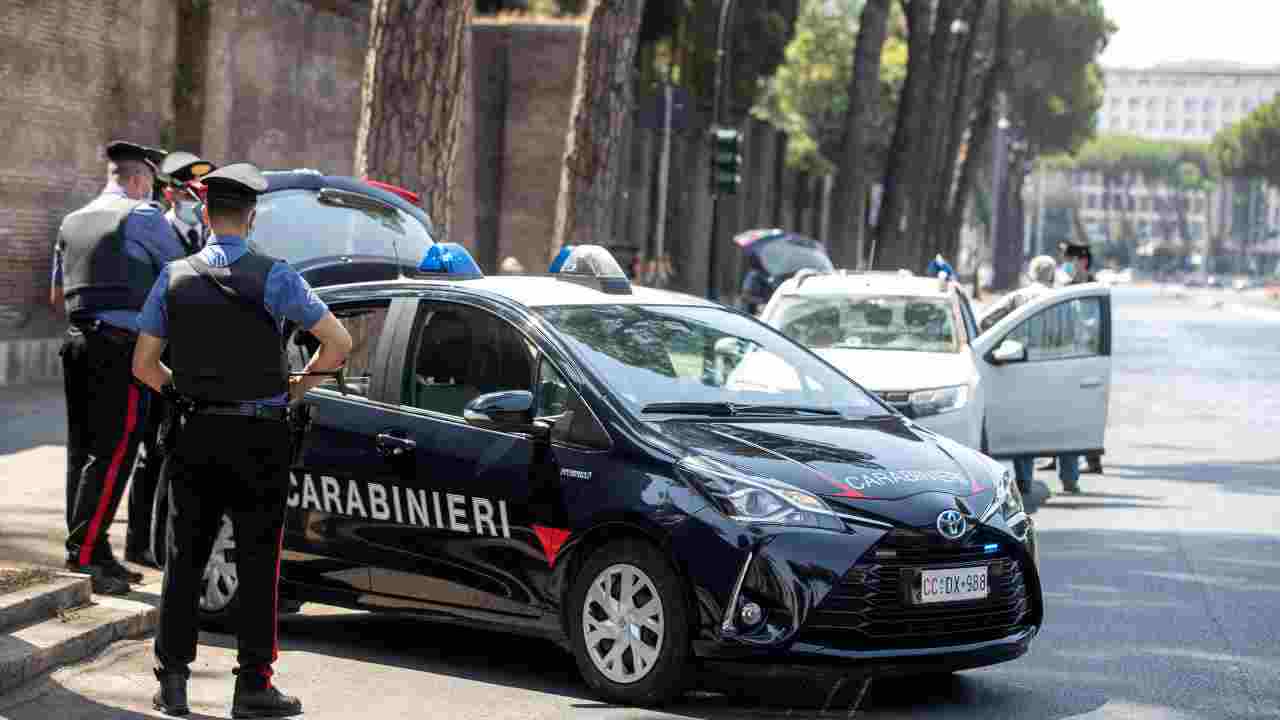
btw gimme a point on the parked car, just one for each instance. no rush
(646, 478)
(1037, 382)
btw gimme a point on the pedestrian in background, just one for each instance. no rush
(232, 450)
(106, 258)
(179, 174)
(511, 266)
(1077, 267)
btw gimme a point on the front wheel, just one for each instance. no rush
(629, 624)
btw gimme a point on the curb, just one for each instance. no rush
(43, 601)
(71, 636)
(30, 361)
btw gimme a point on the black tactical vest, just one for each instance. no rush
(224, 345)
(97, 273)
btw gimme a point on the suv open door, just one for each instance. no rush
(1047, 372)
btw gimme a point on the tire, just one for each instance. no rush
(630, 677)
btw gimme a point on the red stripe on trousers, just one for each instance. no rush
(275, 603)
(113, 470)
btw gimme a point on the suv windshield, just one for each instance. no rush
(889, 322)
(654, 356)
(295, 226)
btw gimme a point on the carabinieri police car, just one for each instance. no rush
(652, 480)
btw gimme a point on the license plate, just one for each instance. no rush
(953, 584)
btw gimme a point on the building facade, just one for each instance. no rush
(1184, 101)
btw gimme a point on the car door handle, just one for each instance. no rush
(1091, 382)
(389, 444)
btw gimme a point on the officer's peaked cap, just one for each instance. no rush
(235, 185)
(184, 167)
(124, 151)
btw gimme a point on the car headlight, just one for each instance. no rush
(755, 499)
(939, 400)
(1008, 502)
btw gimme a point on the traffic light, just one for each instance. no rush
(726, 159)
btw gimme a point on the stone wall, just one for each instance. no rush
(73, 75)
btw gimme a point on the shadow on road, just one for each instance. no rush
(1261, 477)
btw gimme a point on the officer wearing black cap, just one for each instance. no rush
(179, 177)
(181, 172)
(232, 453)
(106, 257)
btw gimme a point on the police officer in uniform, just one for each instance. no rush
(107, 256)
(180, 174)
(232, 452)
(184, 171)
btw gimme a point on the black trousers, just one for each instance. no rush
(238, 466)
(146, 476)
(106, 410)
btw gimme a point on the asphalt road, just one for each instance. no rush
(1162, 579)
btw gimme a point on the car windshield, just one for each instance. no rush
(888, 322)
(655, 357)
(784, 257)
(294, 225)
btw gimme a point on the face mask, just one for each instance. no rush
(186, 212)
(1069, 268)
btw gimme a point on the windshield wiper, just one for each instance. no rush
(728, 408)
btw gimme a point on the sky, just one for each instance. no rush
(1154, 31)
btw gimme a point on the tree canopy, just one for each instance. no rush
(1251, 146)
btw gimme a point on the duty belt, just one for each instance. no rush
(252, 410)
(106, 330)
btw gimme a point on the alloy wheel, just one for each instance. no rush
(221, 578)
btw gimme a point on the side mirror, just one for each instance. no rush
(1009, 351)
(509, 410)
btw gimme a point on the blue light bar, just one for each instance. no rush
(990, 547)
(561, 256)
(449, 259)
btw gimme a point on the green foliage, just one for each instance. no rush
(1251, 146)
(1055, 88)
(809, 95)
(1183, 166)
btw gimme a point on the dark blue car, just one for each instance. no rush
(653, 481)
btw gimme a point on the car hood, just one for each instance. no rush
(881, 370)
(872, 465)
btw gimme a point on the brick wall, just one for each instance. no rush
(73, 75)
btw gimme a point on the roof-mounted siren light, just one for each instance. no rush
(593, 266)
(449, 259)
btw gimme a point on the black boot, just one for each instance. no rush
(256, 697)
(115, 568)
(102, 582)
(171, 699)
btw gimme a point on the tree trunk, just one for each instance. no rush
(980, 134)
(1007, 253)
(961, 110)
(602, 101)
(935, 128)
(848, 199)
(411, 98)
(891, 248)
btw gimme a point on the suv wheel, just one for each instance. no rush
(628, 624)
(221, 579)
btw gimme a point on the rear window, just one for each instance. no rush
(295, 226)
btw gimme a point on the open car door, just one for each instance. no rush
(1046, 368)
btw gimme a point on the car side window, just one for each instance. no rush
(458, 353)
(1064, 330)
(365, 323)
(573, 423)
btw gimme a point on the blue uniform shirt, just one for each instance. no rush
(287, 296)
(147, 237)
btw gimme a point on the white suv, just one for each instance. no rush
(903, 337)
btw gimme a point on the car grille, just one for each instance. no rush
(870, 609)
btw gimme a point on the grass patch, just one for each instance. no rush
(14, 579)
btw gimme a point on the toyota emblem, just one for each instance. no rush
(952, 524)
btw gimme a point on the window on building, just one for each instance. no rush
(1207, 105)
(1116, 103)
(1170, 123)
(1207, 124)
(1189, 105)
(1133, 123)
(1092, 201)
(1151, 104)
(1135, 104)
(1189, 126)
(1170, 104)
(1115, 122)
(1145, 204)
(1247, 105)
(1151, 123)
(1228, 105)
(1197, 205)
